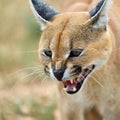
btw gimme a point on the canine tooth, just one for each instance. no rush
(71, 81)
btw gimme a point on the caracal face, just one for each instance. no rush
(74, 45)
(70, 49)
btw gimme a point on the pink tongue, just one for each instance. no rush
(70, 86)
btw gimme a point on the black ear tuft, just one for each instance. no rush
(43, 9)
(97, 8)
(99, 14)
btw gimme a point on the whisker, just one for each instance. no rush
(31, 51)
(35, 78)
(100, 76)
(97, 81)
(43, 81)
(29, 75)
(23, 69)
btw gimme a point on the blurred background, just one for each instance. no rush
(25, 92)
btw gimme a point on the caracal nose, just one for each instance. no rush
(59, 73)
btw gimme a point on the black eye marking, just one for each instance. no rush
(75, 52)
(46, 69)
(47, 53)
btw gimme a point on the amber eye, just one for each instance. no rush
(48, 53)
(76, 52)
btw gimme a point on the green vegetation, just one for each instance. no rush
(26, 108)
(24, 93)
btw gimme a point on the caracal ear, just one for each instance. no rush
(99, 14)
(42, 11)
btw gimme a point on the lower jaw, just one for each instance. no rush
(74, 91)
(78, 88)
(79, 84)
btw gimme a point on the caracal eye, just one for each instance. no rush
(76, 52)
(47, 53)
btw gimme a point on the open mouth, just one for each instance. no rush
(73, 86)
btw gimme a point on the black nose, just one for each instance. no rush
(59, 73)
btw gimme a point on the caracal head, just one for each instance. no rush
(73, 45)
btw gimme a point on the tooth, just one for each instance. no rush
(71, 81)
(74, 89)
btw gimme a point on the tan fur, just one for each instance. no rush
(67, 31)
